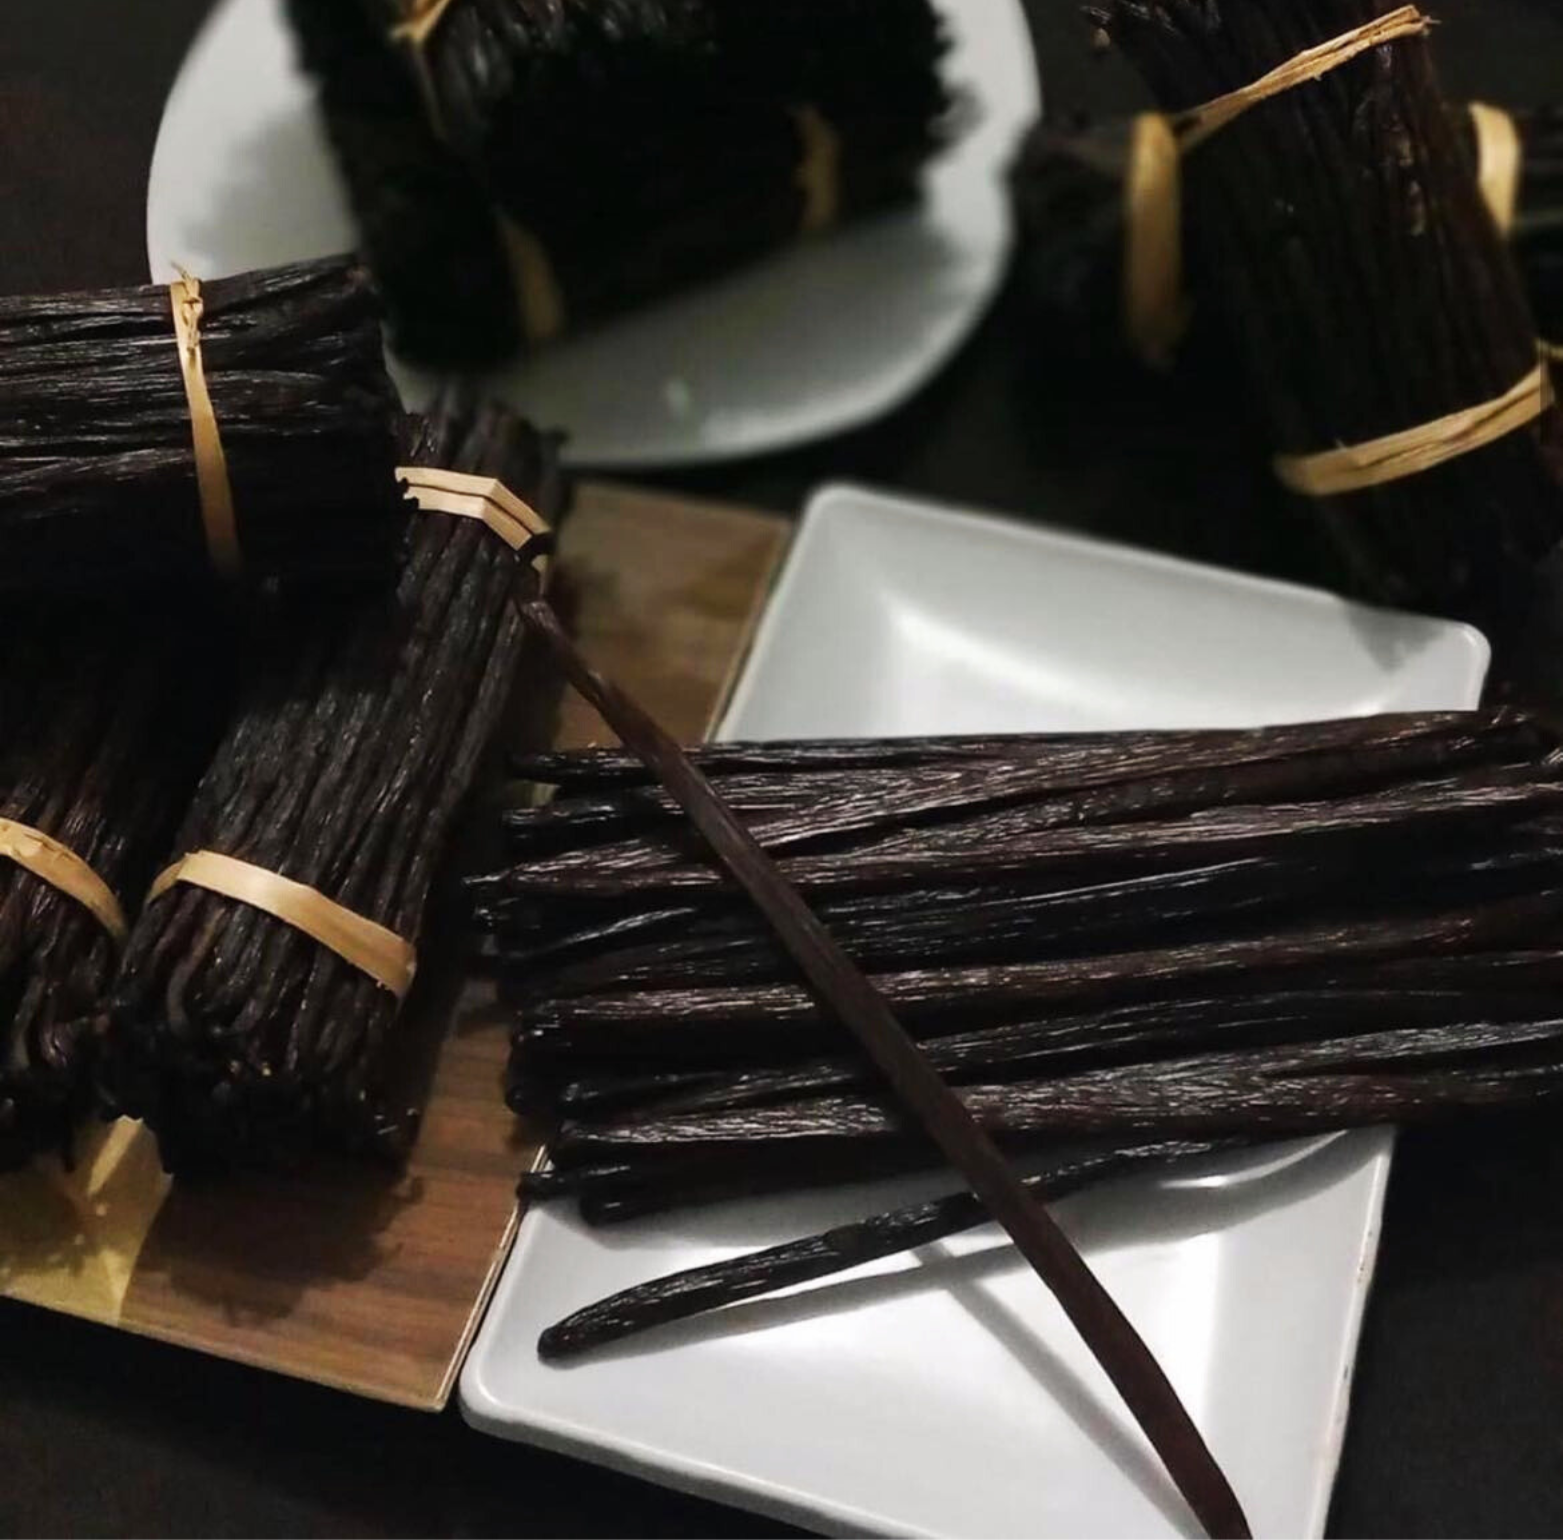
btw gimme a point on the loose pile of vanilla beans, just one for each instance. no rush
(97, 478)
(678, 122)
(1131, 938)
(1067, 184)
(238, 1038)
(103, 733)
(1343, 239)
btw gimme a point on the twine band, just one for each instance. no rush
(418, 21)
(58, 865)
(386, 957)
(516, 522)
(1196, 124)
(211, 464)
(1499, 156)
(1154, 312)
(1411, 451)
(1154, 308)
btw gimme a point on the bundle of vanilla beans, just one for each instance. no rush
(1130, 938)
(1067, 184)
(98, 485)
(518, 169)
(1345, 247)
(103, 733)
(238, 1038)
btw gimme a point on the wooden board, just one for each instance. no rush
(352, 1277)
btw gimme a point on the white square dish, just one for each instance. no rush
(942, 1392)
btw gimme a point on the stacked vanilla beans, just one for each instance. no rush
(424, 222)
(1346, 250)
(103, 732)
(238, 1038)
(1131, 938)
(120, 650)
(1067, 184)
(523, 167)
(97, 477)
(339, 710)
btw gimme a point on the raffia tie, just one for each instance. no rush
(389, 959)
(412, 32)
(819, 171)
(540, 308)
(1154, 308)
(1352, 467)
(211, 464)
(58, 865)
(418, 21)
(514, 520)
(1498, 160)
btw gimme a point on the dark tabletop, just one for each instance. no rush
(1457, 1411)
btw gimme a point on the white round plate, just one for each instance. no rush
(824, 337)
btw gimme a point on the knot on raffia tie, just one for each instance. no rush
(1155, 312)
(58, 865)
(387, 958)
(213, 488)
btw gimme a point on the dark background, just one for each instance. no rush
(1457, 1414)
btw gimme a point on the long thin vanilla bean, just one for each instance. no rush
(702, 1289)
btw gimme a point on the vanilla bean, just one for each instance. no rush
(549, 956)
(997, 803)
(1388, 1077)
(1066, 756)
(974, 989)
(643, 1183)
(1216, 833)
(1136, 1033)
(97, 469)
(103, 730)
(699, 1290)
